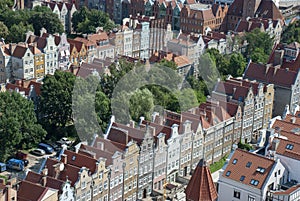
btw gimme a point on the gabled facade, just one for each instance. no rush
(5, 62)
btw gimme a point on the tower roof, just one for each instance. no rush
(201, 186)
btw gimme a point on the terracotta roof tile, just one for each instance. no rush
(272, 75)
(237, 167)
(50, 181)
(268, 9)
(27, 188)
(80, 160)
(201, 185)
(288, 148)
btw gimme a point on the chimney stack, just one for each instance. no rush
(64, 158)
(44, 181)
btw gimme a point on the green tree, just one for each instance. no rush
(237, 64)
(141, 104)
(18, 124)
(258, 55)
(3, 30)
(17, 32)
(258, 40)
(55, 108)
(187, 98)
(291, 33)
(86, 21)
(170, 64)
(43, 17)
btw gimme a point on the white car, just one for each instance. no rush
(38, 152)
(65, 140)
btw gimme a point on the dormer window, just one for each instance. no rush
(228, 173)
(261, 170)
(248, 165)
(254, 182)
(289, 146)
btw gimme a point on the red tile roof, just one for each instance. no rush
(99, 153)
(123, 134)
(69, 172)
(80, 160)
(293, 152)
(267, 9)
(285, 125)
(239, 169)
(272, 75)
(201, 186)
(288, 191)
(50, 181)
(29, 191)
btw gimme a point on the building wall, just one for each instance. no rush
(160, 162)
(67, 193)
(146, 162)
(173, 154)
(131, 157)
(39, 66)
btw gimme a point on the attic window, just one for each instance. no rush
(248, 164)
(254, 182)
(228, 173)
(242, 178)
(234, 161)
(261, 170)
(73, 158)
(289, 146)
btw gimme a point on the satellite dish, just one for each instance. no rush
(61, 167)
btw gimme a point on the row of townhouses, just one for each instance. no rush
(135, 161)
(140, 38)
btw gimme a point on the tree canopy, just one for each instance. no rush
(291, 33)
(86, 21)
(233, 64)
(55, 106)
(141, 104)
(259, 42)
(18, 124)
(20, 21)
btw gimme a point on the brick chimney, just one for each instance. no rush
(64, 158)
(278, 57)
(12, 47)
(44, 181)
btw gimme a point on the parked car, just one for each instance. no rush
(38, 152)
(2, 167)
(46, 147)
(65, 140)
(15, 164)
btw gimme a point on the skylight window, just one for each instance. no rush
(261, 170)
(242, 178)
(73, 158)
(289, 146)
(254, 182)
(248, 164)
(234, 161)
(228, 173)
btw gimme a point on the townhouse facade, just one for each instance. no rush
(201, 18)
(47, 46)
(255, 101)
(22, 62)
(65, 11)
(285, 83)
(5, 62)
